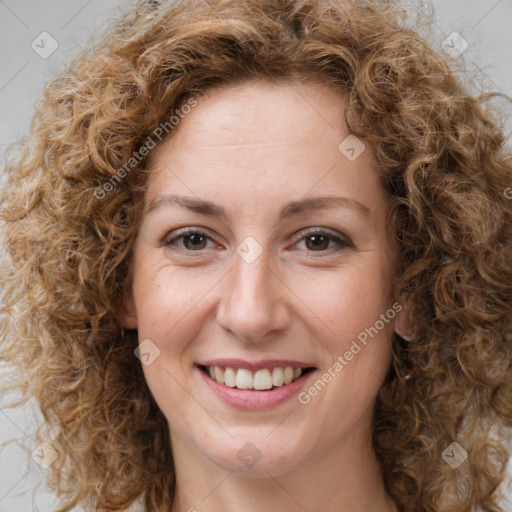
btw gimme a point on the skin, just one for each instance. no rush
(251, 148)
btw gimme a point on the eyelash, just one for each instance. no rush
(342, 244)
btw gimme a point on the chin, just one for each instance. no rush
(249, 455)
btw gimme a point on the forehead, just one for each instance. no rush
(259, 111)
(262, 138)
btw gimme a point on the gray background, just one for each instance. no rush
(483, 24)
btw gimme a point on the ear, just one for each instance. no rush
(403, 320)
(128, 315)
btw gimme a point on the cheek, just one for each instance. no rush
(347, 311)
(168, 302)
(172, 308)
(344, 302)
(355, 320)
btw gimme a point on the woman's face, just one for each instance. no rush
(242, 263)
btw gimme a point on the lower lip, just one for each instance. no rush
(247, 399)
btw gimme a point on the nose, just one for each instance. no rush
(252, 304)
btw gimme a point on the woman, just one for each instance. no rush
(259, 262)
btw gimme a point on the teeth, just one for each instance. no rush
(288, 375)
(261, 380)
(229, 377)
(243, 379)
(277, 377)
(219, 377)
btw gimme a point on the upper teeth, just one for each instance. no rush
(242, 378)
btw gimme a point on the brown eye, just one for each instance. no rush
(317, 242)
(192, 240)
(321, 241)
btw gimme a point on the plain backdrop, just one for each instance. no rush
(38, 38)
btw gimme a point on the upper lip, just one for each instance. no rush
(255, 365)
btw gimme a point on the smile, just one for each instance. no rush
(263, 379)
(255, 385)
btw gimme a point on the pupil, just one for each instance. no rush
(195, 239)
(317, 241)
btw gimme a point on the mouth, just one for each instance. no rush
(262, 379)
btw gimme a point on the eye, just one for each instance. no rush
(192, 240)
(320, 240)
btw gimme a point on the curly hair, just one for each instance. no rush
(443, 161)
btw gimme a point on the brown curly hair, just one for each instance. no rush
(444, 164)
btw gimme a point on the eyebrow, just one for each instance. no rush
(290, 209)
